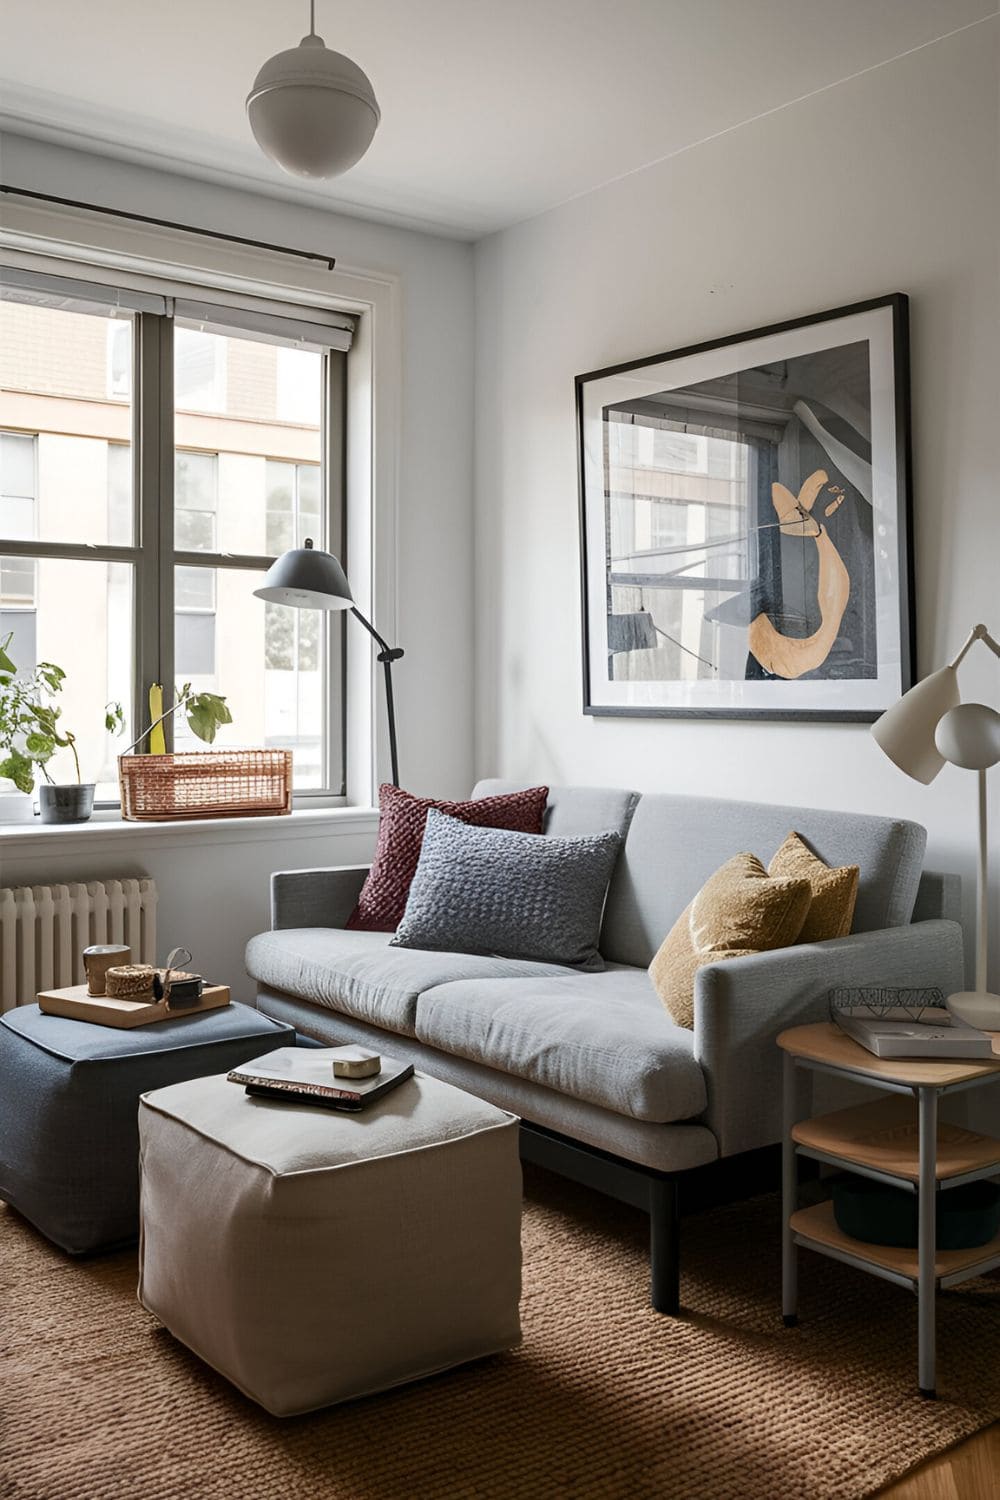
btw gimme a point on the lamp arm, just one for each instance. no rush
(380, 641)
(977, 633)
(387, 655)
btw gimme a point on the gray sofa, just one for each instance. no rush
(609, 1089)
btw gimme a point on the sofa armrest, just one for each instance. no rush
(315, 898)
(742, 1004)
(938, 895)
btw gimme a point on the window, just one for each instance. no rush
(196, 478)
(119, 381)
(86, 499)
(291, 637)
(199, 371)
(18, 583)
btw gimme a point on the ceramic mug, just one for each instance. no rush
(98, 959)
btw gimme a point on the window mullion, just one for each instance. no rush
(334, 501)
(153, 478)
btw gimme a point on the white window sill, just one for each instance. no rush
(110, 830)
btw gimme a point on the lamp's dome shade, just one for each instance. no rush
(312, 111)
(306, 578)
(969, 736)
(906, 730)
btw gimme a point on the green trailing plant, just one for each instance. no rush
(205, 713)
(30, 733)
(30, 728)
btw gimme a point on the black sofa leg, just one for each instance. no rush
(664, 1246)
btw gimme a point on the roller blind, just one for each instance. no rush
(265, 326)
(100, 290)
(18, 285)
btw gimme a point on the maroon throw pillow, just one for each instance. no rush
(401, 833)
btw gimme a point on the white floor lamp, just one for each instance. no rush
(928, 726)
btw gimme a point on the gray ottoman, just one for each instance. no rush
(310, 1255)
(69, 1100)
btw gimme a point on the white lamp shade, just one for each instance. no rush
(969, 736)
(312, 111)
(906, 730)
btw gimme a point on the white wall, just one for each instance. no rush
(213, 893)
(887, 182)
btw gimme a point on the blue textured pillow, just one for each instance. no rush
(519, 895)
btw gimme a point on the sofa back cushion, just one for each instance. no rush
(675, 843)
(574, 810)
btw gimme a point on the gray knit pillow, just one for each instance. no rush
(520, 895)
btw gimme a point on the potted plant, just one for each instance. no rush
(31, 733)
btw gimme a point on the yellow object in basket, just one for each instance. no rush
(157, 743)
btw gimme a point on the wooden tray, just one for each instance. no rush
(77, 1005)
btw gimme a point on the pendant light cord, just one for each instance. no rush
(312, 17)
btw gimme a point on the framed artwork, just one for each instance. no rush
(745, 523)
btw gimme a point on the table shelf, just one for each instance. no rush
(884, 1137)
(825, 1045)
(818, 1229)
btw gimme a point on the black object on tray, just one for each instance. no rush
(877, 1214)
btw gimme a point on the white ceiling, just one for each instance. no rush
(492, 110)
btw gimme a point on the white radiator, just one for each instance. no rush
(45, 928)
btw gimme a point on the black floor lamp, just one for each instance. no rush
(308, 578)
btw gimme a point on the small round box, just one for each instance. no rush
(129, 981)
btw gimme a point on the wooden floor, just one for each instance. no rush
(969, 1472)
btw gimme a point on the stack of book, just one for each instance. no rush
(941, 1037)
(305, 1075)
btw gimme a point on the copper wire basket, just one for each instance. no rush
(206, 784)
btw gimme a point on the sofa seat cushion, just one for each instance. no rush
(358, 973)
(602, 1038)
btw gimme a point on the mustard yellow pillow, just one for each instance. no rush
(834, 889)
(740, 909)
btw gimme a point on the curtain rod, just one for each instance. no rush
(210, 234)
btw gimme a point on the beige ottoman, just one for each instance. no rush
(311, 1255)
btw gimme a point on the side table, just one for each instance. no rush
(895, 1141)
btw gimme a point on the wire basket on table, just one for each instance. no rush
(206, 784)
(883, 1003)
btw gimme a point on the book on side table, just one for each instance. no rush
(301, 1075)
(893, 1038)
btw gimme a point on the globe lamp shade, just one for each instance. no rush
(969, 736)
(312, 110)
(306, 578)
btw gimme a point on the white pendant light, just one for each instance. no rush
(312, 111)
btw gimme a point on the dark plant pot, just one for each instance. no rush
(967, 1216)
(66, 804)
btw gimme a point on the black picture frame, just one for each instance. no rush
(888, 572)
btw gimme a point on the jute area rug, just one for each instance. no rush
(603, 1399)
